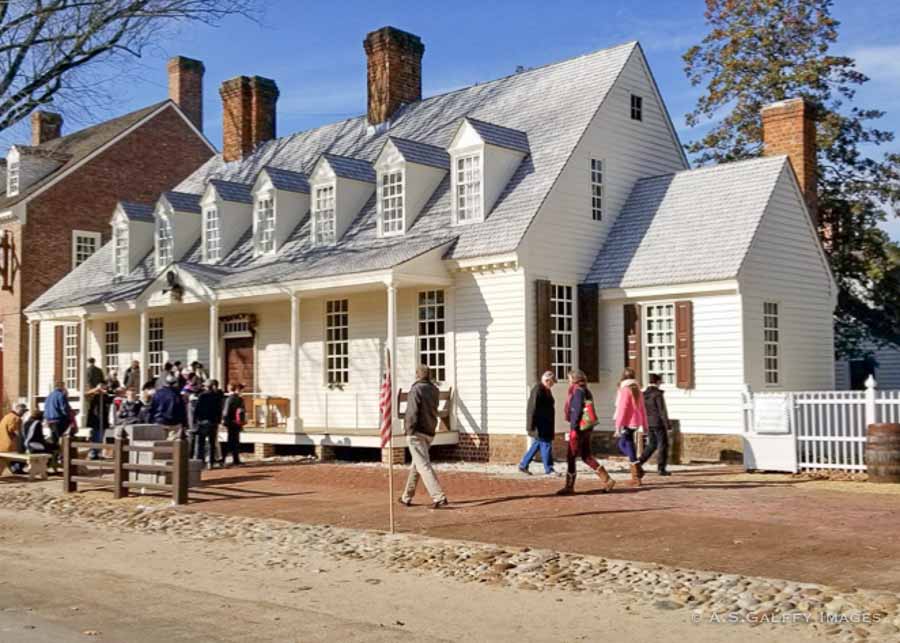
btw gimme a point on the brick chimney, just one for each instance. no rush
(186, 87)
(394, 60)
(789, 127)
(248, 114)
(45, 126)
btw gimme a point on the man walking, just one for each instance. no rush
(419, 426)
(658, 425)
(541, 427)
(208, 416)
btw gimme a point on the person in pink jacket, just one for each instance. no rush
(630, 416)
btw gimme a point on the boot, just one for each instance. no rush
(635, 475)
(640, 469)
(569, 489)
(608, 483)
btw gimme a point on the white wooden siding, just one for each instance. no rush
(785, 266)
(490, 346)
(887, 373)
(714, 404)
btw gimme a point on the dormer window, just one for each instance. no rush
(265, 224)
(120, 248)
(391, 202)
(213, 237)
(323, 217)
(165, 242)
(468, 188)
(12, 178)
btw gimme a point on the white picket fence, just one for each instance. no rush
(814, 430)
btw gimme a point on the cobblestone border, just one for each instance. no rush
(705, 596)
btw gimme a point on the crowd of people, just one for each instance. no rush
(178, 397)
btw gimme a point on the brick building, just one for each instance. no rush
(56, 195)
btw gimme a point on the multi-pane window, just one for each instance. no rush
(337, 341)
(596, 189)
(659, 332)
(324, 219)
(155, 345)
(84, 245)
(111, 348)
(120, 248)
(213, 231)
(164, 242)
(637, 108)
(265, 224)
(771, 338)
(70, 356)
(468, 188)
(432, 329)
(12, 178)
(391, 203)
(562, 323)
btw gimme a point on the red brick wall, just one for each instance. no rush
(789, 128)
(150, 160)
(394, 65)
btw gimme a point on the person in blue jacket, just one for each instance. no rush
(57, 412)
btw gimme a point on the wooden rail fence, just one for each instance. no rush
(75, 466)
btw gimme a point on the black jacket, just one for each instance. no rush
(657, 414)
(541, 413)
(167, 407)
(209, 407)
(233, 402)
(422, 408)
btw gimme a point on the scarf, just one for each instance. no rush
(569, 394)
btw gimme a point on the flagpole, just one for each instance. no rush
(387, 432)
(391, 482)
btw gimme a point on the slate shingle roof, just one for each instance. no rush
(552, 104)
(421, 153)
(183, 201)
(233, 191)
(350, 168)
(691, 226)
(73, 148)
(287, 180)
(500, 136)
(137, 211)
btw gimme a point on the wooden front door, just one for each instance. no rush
(239, 363)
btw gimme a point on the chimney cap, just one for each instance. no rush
(789, 104)
(183, 62)
(405, 39)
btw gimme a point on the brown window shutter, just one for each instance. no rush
(543, 327)
(684, 344)
(58, 340)
(589, 331)
(633, 338)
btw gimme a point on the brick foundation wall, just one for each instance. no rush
(261, 450)
(398, 454)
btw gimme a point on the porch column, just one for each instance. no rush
(33, 329)
(144, 339)
(82, 367)
(294, 423)
(214, 341)
(392, 347)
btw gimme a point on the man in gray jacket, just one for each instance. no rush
(419, 425)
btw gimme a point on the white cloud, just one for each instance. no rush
(881, 64)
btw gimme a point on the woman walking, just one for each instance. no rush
(630, 416)
(580, 432)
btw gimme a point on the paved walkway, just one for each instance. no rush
(841, 534)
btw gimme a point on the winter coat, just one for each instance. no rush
(10, 431)
(233, 402)
(209, 407)
(94, 377)
(34, 440)
(541, 413)
(132, 378)
(167, 407)
(130, 412)
(630, 412)
(422, 408)
(56, 407)
(655, 403)
(578, 396)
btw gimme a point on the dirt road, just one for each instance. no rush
(64, 582)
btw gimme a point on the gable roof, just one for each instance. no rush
(183, 201)
(137, 211)
(421, 153)
(691, 226)
(287, 180)
(500, 136)
(233, 191)
(350, 168)
(75, 147)
(554, 104)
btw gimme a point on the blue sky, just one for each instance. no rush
(314, 51)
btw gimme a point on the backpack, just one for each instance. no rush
(239, 416)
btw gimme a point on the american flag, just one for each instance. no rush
(386, 404)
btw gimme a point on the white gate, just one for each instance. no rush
(814, 430)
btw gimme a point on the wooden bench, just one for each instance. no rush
(444, 401)
(37, 462)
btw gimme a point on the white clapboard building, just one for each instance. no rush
(544, 220)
